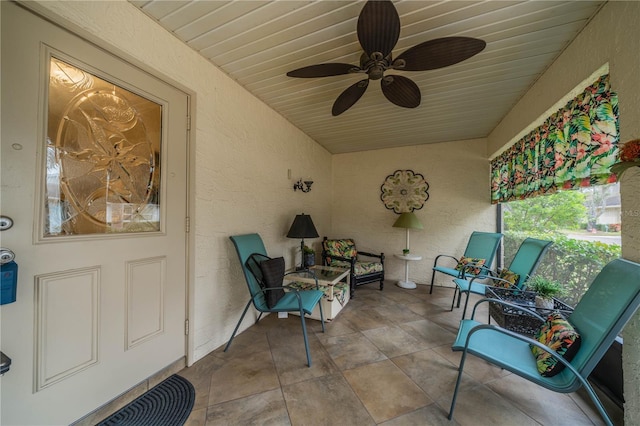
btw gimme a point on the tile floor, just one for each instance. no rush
(385, 360)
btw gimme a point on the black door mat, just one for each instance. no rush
(167, 404)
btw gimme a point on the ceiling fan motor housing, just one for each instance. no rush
(378, 31)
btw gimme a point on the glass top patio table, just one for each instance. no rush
(326, 275)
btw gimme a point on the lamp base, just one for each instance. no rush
(406, 284)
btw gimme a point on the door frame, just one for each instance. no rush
(71, 27)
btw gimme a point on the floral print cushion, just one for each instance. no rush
(560, 336)
(510, 277)
(361, 268)
(470, 265)
(339, 290)
(342, 248)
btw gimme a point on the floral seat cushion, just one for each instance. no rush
(361, 268)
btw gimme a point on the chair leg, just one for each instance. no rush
(321, 314)
(596, 400)
(304, 333)
(453, 301)
(455, 391)
(433, 275)
(238, 325)
(466, 302)
(381, 284)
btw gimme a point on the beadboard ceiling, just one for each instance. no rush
(257, 42)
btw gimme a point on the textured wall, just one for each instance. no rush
(240, 158)
(458, 176)
(608, 38)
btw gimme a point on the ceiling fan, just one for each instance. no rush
(378, 32)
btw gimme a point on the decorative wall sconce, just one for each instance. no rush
(304, 186)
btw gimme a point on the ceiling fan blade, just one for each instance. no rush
(323, 70)
(401, 91)
(378, 27)
(439, 53)
(349, 97)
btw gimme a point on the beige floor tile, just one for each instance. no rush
(475, 367)
(582, 400)
(479, 406)
(243, 376)
(338, 327)
(397, 314)
(197, 417)
(429, 332)
(351, 350)
(365, 319)
(402, 297)
(249, 341)
(385, 390)
(394, 341)
(327, 401)
(431, 415)
(435, 375)
(291, 362)
(544, 406)
(200, 377)
(266, 408)
(426, 309)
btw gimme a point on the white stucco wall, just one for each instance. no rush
(459, 203)
(609, 38)
(242, 151)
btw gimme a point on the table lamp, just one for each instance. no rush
(407, 220)
(302, 227)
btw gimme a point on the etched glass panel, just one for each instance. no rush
(103, 156)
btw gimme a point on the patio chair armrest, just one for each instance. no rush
(435, 262)
(508, 284)
(265, 290)
(485, 272)
(379, 256)
(505, 303)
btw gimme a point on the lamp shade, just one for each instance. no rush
(302, 227)
(408, 220)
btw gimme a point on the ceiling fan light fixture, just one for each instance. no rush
(378, 31)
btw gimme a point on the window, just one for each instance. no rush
(584, 225)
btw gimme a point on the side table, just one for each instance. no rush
(407, 258)
(334, 282)
(514, 319)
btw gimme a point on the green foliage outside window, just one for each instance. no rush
(574, 263)
(563, 210)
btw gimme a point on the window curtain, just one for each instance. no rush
(574, 147)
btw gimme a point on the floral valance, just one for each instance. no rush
(574, 147)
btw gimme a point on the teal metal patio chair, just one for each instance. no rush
(302, 301)
(611, 300)
(524, 264)
(481, 245)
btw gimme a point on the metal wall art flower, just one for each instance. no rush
(404, 191)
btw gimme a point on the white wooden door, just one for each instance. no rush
(95, 313)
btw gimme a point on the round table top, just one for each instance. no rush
(408, 256)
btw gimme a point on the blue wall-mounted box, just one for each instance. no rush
(9, 282)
